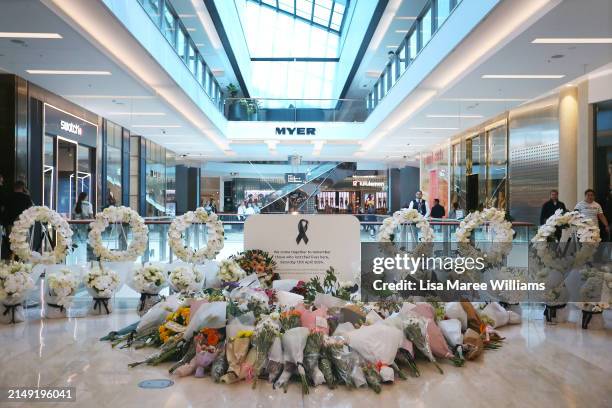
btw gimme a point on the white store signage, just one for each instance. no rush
(305, 246)
(71, 128)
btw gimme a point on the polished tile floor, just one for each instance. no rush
(539, 366)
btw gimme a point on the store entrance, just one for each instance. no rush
(67, 171)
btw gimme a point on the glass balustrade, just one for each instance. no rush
(295, 110)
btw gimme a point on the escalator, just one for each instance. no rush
(324, 174)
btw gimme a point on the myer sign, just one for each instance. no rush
(308, 131)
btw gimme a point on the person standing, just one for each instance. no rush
(592, 210)
(437, 211)
(455, 213)
(420, 204)
(551, 206)
(249, 210)
(83, 210)
(242, 211)
(16, 203)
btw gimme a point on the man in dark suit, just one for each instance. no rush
(16, 202)
(551, 206)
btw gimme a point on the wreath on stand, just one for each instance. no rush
(585, 233)
(22, 241)
(117, 216)
(214, 242)
(500, 230)
(387, 232)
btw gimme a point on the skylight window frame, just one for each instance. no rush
(327, 27)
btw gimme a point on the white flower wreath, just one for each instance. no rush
(587, 232)
(501, 230)
(214, 242)
(20, 235)
(119, 215)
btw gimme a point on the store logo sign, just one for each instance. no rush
(296, 131)
(71, 128)
(368, 183)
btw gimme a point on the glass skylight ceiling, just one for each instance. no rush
(294, 49)
(327, 14)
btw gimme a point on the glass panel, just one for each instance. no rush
(425, 28)
(402, 58)
(85, 172)
(180, 43)
(49, 172)
(443, 11)
(192, 59)
(113, 176)
(169, 26)
(201, 71)
(66, 177)
(155, 183)
(412, 46)
(304, 9)
(152, 9)
(286, 5)
(496, 166)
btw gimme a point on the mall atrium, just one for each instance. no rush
(297, 203)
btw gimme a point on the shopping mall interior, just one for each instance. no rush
(159, 157)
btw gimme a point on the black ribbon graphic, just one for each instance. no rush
(586, 318)
(143, 301)
(302, 228)
(550, 311)
(60, 307)
(101, 302)
(11, 309)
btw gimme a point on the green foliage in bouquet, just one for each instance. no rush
(329, 286)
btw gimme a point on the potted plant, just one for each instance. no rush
(251, 107)
(235, 110)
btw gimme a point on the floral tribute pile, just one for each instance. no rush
(315, 333)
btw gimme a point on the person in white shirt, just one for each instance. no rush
(241, 211)
(249, 210)
(420, 204)
(591, 209)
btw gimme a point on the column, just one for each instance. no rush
(585, 141)
(568, 145)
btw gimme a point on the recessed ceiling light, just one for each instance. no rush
(455, 116)
(405, 18)
(136, 113)
(484, 99)
(402, 31)
(392, 46)
(30, 35)
(157, 126)
(187, 15)
(64, 72)
(600, 40)
(191, 29)
(200, 44)
(434, 128)
(522, 76)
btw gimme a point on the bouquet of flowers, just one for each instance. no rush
(337, 352)
(15, 284)
(230, 271)
(290, 319)
(294, 341)
(206, 350)
(186, 279)
(61, 287)
(330, 286)
(312, 353)
(148, 280)
(101, 284)
(237, 350)
(266, 332)
(260, 263)
(415, 330)
(175, 324)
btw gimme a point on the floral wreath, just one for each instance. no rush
(119, 215)
(587, 233)
(214, 242)
(501, 229)
(386, 233)
(20, 234)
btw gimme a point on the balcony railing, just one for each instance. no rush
(424, 27)
(167, 20)
(295, 110)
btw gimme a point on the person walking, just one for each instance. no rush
(437, 211)
(551, 206)
(592, 210)
(420, 204)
